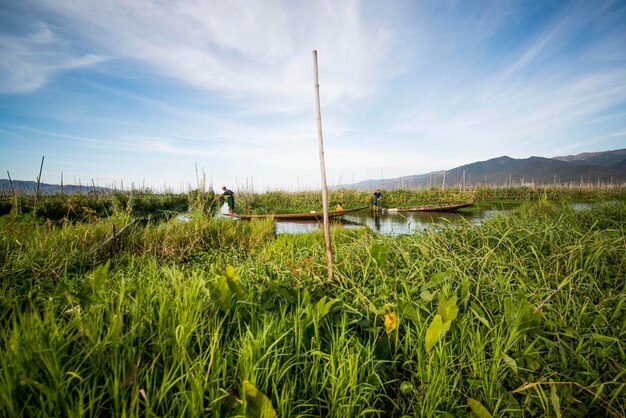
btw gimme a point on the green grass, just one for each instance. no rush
(158, 326)
(296, 202)
(91, 207)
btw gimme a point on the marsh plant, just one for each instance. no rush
(520, 316)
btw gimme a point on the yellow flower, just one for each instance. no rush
(391, 322)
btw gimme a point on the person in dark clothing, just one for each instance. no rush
(376, 200)
(230, 199)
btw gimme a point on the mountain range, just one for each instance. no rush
(590, 167)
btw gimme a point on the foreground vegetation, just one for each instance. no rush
(523, 315)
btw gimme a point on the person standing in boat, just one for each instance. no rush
(230, 199)
(376, 197)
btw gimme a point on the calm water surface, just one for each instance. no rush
(401, 223)
(389, 223)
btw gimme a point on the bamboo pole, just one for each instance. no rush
(197, 178)
(115, 235)
(320, 141)
(11, 183)
(16, 203)
(38, 181)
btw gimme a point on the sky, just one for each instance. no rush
(150, 92)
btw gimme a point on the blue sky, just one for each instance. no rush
(142, 91)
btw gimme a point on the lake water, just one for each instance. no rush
(400, 223)
(391, 223)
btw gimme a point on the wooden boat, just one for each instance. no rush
(310, 216)
(445, 207)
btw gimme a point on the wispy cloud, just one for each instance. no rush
(29, 61)
(406, 87)
(532, 101)
(256, 51)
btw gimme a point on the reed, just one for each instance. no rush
(519, 316)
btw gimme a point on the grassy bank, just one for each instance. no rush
(520, 316)
(91, 207)
(294, 202)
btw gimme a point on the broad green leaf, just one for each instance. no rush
(314, 313)
(617, 311)
(61, 290)
(406, 387)
(85, 294)
(225, 287)
(480, 318)
(391, 322)
(235, 286)
(376, 311)
(285, 291)
(465, 290)
(556, 402)
(407, 310)
(478, 409)
(519, 314)
(436, 280)
(604, 338)
(428, 296)
(257, 404)
(230, 272)
(510, 362)
(447, 308)
(323, 308)
(436, 331)
(99, 275)
(375, 381)
(379, 254)
(222, 295)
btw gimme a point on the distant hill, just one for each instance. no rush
(621, 166)
(608, 166)
(604, 159)
(44, 188)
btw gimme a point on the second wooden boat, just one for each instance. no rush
(446, 207)
(309, 216)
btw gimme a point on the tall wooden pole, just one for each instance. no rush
(320, 141)
(11, 183)
(38, 181)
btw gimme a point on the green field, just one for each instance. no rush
(523, 315)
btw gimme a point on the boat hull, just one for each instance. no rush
(314, 216)
(448, 207)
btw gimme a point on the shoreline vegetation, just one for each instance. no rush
(522, 315)
(144, 203)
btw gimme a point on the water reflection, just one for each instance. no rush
(395, 223)
(392, 223)
(581, 206)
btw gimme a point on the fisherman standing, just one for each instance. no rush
(376, 200)
(230, 199)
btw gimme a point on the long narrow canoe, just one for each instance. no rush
(446, 207)
(310, 216)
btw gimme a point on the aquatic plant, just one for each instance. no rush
(520, 316)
